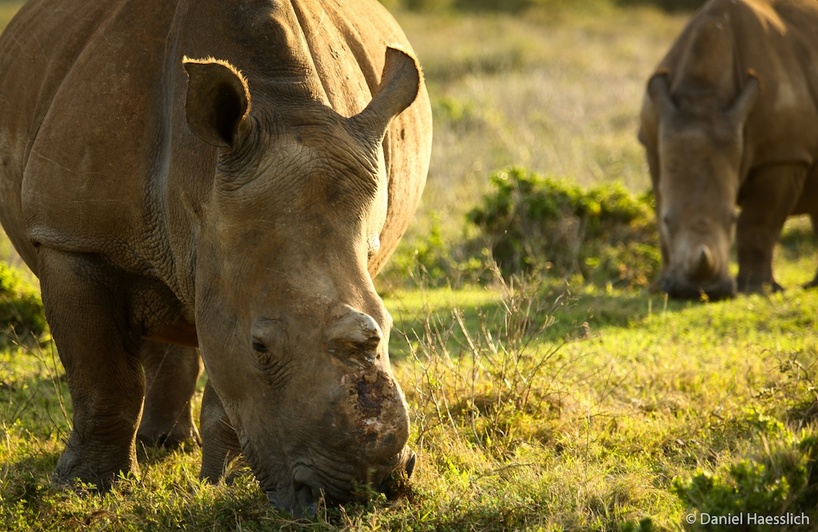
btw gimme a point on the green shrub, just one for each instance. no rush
(603, 233)
(780, 479)
(432, 261)
(21, 309)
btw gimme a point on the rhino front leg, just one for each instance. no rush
(220, 443)
(814, 219)
(171, 374)
(90, 324)
(767, 199)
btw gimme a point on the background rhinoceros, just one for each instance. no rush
(731, 118)
(228, 174)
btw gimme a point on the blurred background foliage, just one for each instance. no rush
(522, 5)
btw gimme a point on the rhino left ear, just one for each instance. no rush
(747, 97)
(218, 100)
(400, 84)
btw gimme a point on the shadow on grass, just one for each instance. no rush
(27, 476)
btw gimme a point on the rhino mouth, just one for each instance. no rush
(713, 291)
(302, 503)
(311, 487)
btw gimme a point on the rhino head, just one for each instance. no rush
(292, 332)
(696, 170)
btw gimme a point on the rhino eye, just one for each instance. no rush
(259, 346)
(268, 337)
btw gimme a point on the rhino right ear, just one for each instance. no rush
(400, 84)
(659, 91)
(218, 100)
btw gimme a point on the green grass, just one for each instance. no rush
(536, 405)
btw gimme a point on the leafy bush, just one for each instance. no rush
(603, 233)
(21, 309)
(432, 261)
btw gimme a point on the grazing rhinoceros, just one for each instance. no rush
(227, 174)
(731, 118)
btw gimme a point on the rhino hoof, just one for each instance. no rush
(177, 438)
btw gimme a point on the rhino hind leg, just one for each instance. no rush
(90, 325)
(220, 442)
(171, 374)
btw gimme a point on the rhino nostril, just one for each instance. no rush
(397, 482)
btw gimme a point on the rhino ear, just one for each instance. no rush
(745, 100)
(399, 87)
(659, 91)
(218, 100)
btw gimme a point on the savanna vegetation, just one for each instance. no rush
(550, 388)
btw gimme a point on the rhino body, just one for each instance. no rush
(730, 126)
(227, 175)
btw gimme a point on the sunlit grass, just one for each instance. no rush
(515, 425)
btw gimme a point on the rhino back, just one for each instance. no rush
(36, 53)
(97, 155)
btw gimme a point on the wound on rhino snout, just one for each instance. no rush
(370, 394)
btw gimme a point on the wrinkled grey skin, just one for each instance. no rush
(228, 175)
(730, 127)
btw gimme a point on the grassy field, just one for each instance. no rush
(537, 403)
(533, 407)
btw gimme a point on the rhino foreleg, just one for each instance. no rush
(767, 199)
(91, 328)
(171, 373)
(814, 219)
(220, 445)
